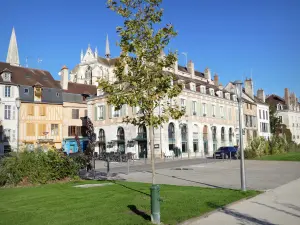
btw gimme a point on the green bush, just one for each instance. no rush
(36, 167)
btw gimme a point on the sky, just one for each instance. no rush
(236, 39)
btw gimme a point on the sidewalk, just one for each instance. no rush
(278, 206)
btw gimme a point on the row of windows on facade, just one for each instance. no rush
(41, 129)
(8, 92)
(292, 107)
(294, 137)
(263, 114)
(211, 91)
(264, 127)
(207, 110)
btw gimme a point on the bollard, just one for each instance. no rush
(155, 204)
(107, 172)
(127, 166)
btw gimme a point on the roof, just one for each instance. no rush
(28, 76)
(76, 88)
(184, 69)
(256, 99)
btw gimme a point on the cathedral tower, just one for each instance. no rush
(13, 54)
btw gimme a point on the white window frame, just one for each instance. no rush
(7, 112)
(222, 111)
(100, 111)
(7, 133)
(53, 131)
(26, 91)
(211, 92)
(7, 91)
(202, 89)
(204, 109)
(194, 108)
(115, 113)
(183, 102)
(213, 109)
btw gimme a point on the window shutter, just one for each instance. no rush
(109, 111)
(96, 116)
(3, 91)
(208, 106)
(104, 112)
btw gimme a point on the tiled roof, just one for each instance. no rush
(76, 88)
(28, 76)
(184, 69)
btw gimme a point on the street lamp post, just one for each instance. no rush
(18, 105)
(238, 91)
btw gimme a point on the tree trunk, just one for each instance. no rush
(152, 153)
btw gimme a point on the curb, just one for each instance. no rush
(187, 222)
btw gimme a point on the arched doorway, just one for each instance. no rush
(121, 140)
(195, 138)
(171, 136)
(222, 136)
(102, 142)
(142, 141)
(205, 139)
(214, 137)
(230, 136)
(184, 139)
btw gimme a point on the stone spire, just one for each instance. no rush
(96, 52)
(13, 54)
(107, 50)
(81, 55)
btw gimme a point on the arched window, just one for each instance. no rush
(184, 135)
(214, 133)
(101, 136)
(171, 135)
(205, 139)
(120, 133)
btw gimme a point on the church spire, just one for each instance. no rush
(13, 54)
(107, 50)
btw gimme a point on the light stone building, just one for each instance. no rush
(288, 110)
(209, 123)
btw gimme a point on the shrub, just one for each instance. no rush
(36, 167)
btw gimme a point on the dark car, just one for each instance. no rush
(226, 152)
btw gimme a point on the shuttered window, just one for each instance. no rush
(30, 110)
(42, 129)
(30, 129)
(42, 110)
(75, 113)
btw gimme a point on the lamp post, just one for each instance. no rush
(18, 105)
(238, 91)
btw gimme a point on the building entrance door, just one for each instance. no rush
(142, 148)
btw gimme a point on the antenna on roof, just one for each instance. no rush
(185, 54)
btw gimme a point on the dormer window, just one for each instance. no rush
(227, 96)
(211, 92)
(220, 94)
(279, 107)
(6, 75)
(202, 89)
(234, 98)
(192, 86)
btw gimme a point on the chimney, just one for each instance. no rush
(261, 95)
(191, 68)
(207, 74)
(249, 88)
(287, 97)
(176, 67)
(216, 79)
(64, 79)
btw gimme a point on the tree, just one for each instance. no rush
(89, 152)
(274, 120)
(78, 143)
(141, 76)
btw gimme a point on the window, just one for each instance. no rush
(194, 105)
(7, 135)
(202, 89)
(6, 77)
(182, 102)
(101, 112)
(263, 112)
(30, 129)
(250, 106)
(13, 136)
(14, 112)
(213, 110)
(229, 114)
(30, 110)
(75, 113)
(267, 115)
(42, 130)
(116, 113)
(7, 91)
(204, 109)
(222, 111)
(26, 91)
(57, 94)
(212, 92)
(7, 112)
(259, 114)
(54, 129)
(42, 110)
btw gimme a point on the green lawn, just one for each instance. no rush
(290, 156)
(121, 203)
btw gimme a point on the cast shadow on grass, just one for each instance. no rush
(243, 218)
(279, 210)
(132, 189)
(139, 213)
(192, 181)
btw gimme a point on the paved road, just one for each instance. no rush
(280, 206)
(260, 175)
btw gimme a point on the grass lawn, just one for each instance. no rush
(290, 156)
(120, 203)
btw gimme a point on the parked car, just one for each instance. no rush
(226, 152)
